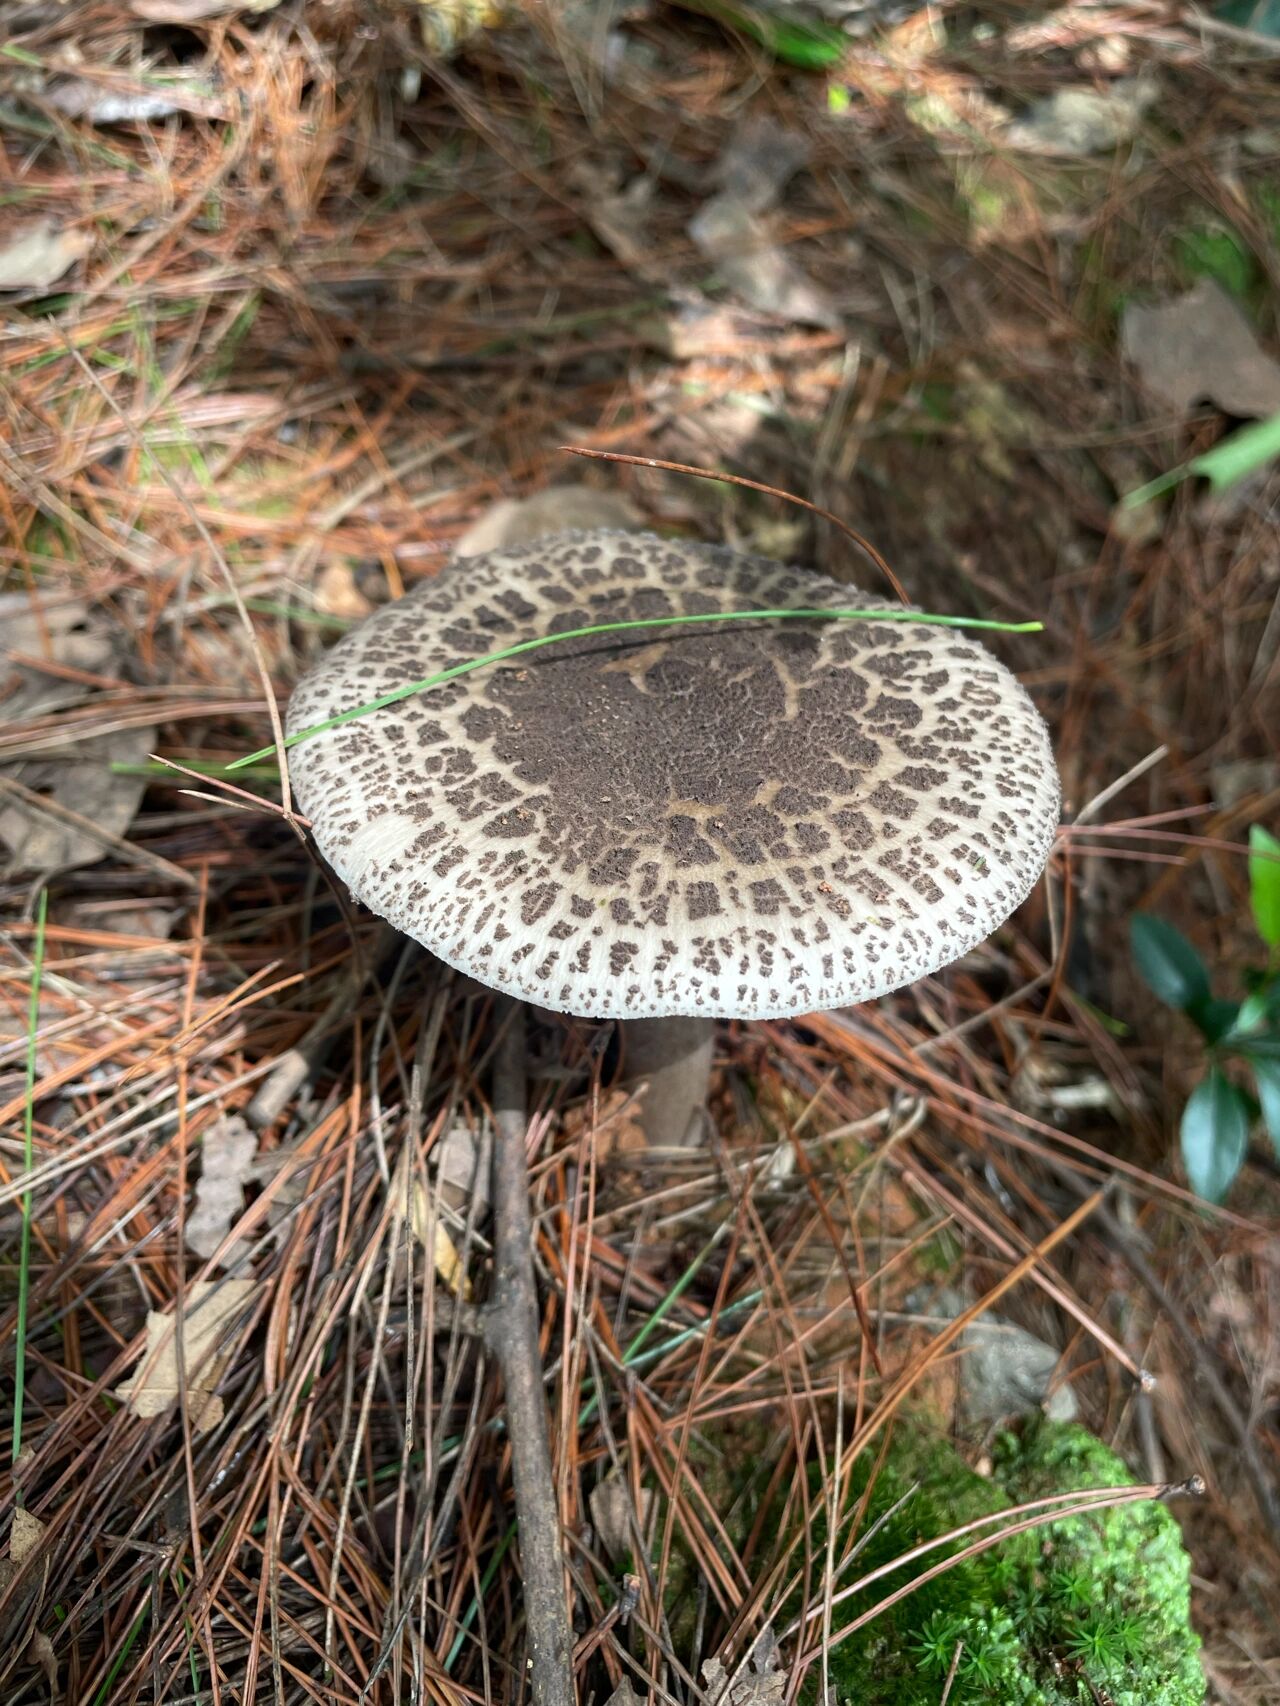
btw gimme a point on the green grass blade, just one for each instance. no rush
(438, 680)
(28, 1167)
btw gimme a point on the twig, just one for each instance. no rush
(862, 543)
(512, 1332)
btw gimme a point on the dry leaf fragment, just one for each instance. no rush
(1074, 123)
(338, 594)
(229, 1151)
(520, 521)
(195, 11)
(42, 1652)
(76, 774)
(430, 1232)
(615, 1124)
(624, 1695)
(21, 1613)
(462, 1169)
(212, 1309)
(755, 268)
(613, 1514)
(24, 1536)
(37, 256)
(120, 104)
(763, 1685)
(1200, 346)
(759, 161)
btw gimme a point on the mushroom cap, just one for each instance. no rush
(742, 819)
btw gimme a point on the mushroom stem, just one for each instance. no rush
(673, 1057)
(513, 1336)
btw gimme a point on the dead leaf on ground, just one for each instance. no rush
(624, 1695)
(430, 1231)
(1074, 123)
(617, 1127)
(613, 1514)
(228, 1152)
(212, 1310)
(38, 255)
(338, 593)
(24, 1536)
(758, 163)
(195, 11)
(764, 1684)
(619, 215)
(1198, 347)
(462, 1166)
(99, 103)
(519, 521)
(18, 1631)
(754, 266)
(76, 774)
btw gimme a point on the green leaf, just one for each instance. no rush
(1267, 1077)
(1168, 964)
(1215, 1017)
(809, 43)
(1238, 455)
(1264, 883)
(1215, 1136)
(1254, 1010)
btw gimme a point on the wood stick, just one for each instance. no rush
(512, 1330)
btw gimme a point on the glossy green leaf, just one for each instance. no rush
(1253, 1013)
(1264, 883)
(1266, 1075)
(1215, 1136)
(808, 43)
(1215, 1017)
(1168, 964)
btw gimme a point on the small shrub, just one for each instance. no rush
(1218, 1116)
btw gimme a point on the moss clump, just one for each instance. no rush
(1092, 1608)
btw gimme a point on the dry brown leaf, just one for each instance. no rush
(758, 162)
(1074, 123)
(228, 1152)
(18, 1621)
(612, 1512)
(42, 1652)
(120, 103)
(195, 11)
(24, 1536)
(618, 1127)
(38, 255)
(444, 1253)
(212, 1309)
(338, 594)
(1200, 346)
(462, 1167)
(763, 1685)
(78, 774)
(755, 268)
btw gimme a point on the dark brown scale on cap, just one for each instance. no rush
(824, 810)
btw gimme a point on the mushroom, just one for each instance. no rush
(670, 825)
(662, 826)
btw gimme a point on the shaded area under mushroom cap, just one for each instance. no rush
(747, 819)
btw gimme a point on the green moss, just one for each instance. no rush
(1092, 1607)
(1214, 252)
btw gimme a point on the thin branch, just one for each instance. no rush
(513, 1337)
